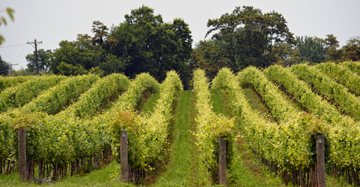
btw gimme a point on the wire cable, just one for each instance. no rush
(19, 55)
(12, 46)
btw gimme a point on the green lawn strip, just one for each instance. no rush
(256, 103)
(107, 176)
(149, 105)
(246, 169)
(219, 103)
(199, 175)
(179, 169)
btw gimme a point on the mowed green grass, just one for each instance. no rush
(106, 176)
(250, 160)
(182, 169)
(149, 106)
(246, 169)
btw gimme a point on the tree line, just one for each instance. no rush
(145, 43)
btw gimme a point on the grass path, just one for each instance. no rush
(106, 176)
(181, 169)
(184, 168)
(246, 169)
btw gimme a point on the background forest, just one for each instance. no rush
(145, 43)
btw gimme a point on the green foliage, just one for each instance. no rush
(281, 109)
(342, 75)
(35, 125)
(96, 71)
(286, 54)
(4, 68)
(287, 144)
(352, 49)
(210, 126)
(143, 43)
(149, 105)
(127, 102)
(353, 66)
(147, 44)
(68, 69)
(10, 13)
(311, 49)
(247, 36)
(23, 93)
(147, 134)
(53, 100)
(179, 169)
(345, 101)
(66, 138)
(113, 64)
(6, 82)
(46, 138)
(89, 102)
(43, 57)
(210, 56)
(343, 130)
(100, 31)
(74, 58)
(303, 94)
(333, 53)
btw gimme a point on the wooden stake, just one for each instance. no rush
(41, 170)
(320, 160)
(54, 172)
(124, 156)
(31, 170)
(22, 154)
(222, 160)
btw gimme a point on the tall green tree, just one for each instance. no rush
(333, 54)
(215, 56)
(43, 57)
(113, 64)
(76, 53)
(4, 67)
(287, 55)
(312, 49)
(249, 36)
(101, 31)
(146, 44)
(352, 49)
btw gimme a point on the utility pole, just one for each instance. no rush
(10, 72)
(36, 55)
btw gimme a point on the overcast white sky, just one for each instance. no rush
(52, 21)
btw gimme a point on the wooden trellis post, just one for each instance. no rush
(320, 160)
(222, 160)
(124, 156)
(22, 154)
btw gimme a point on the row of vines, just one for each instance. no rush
(66, 132)
(210, 126)
(65, 140)
(288, 145)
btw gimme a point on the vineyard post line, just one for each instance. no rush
(222, 160)
(124, 156)
(320, 160)
(36, 54)
(22, 154)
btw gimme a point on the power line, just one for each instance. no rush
(12, 46)
(11, 68)
(19, 54)
(36, 55)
